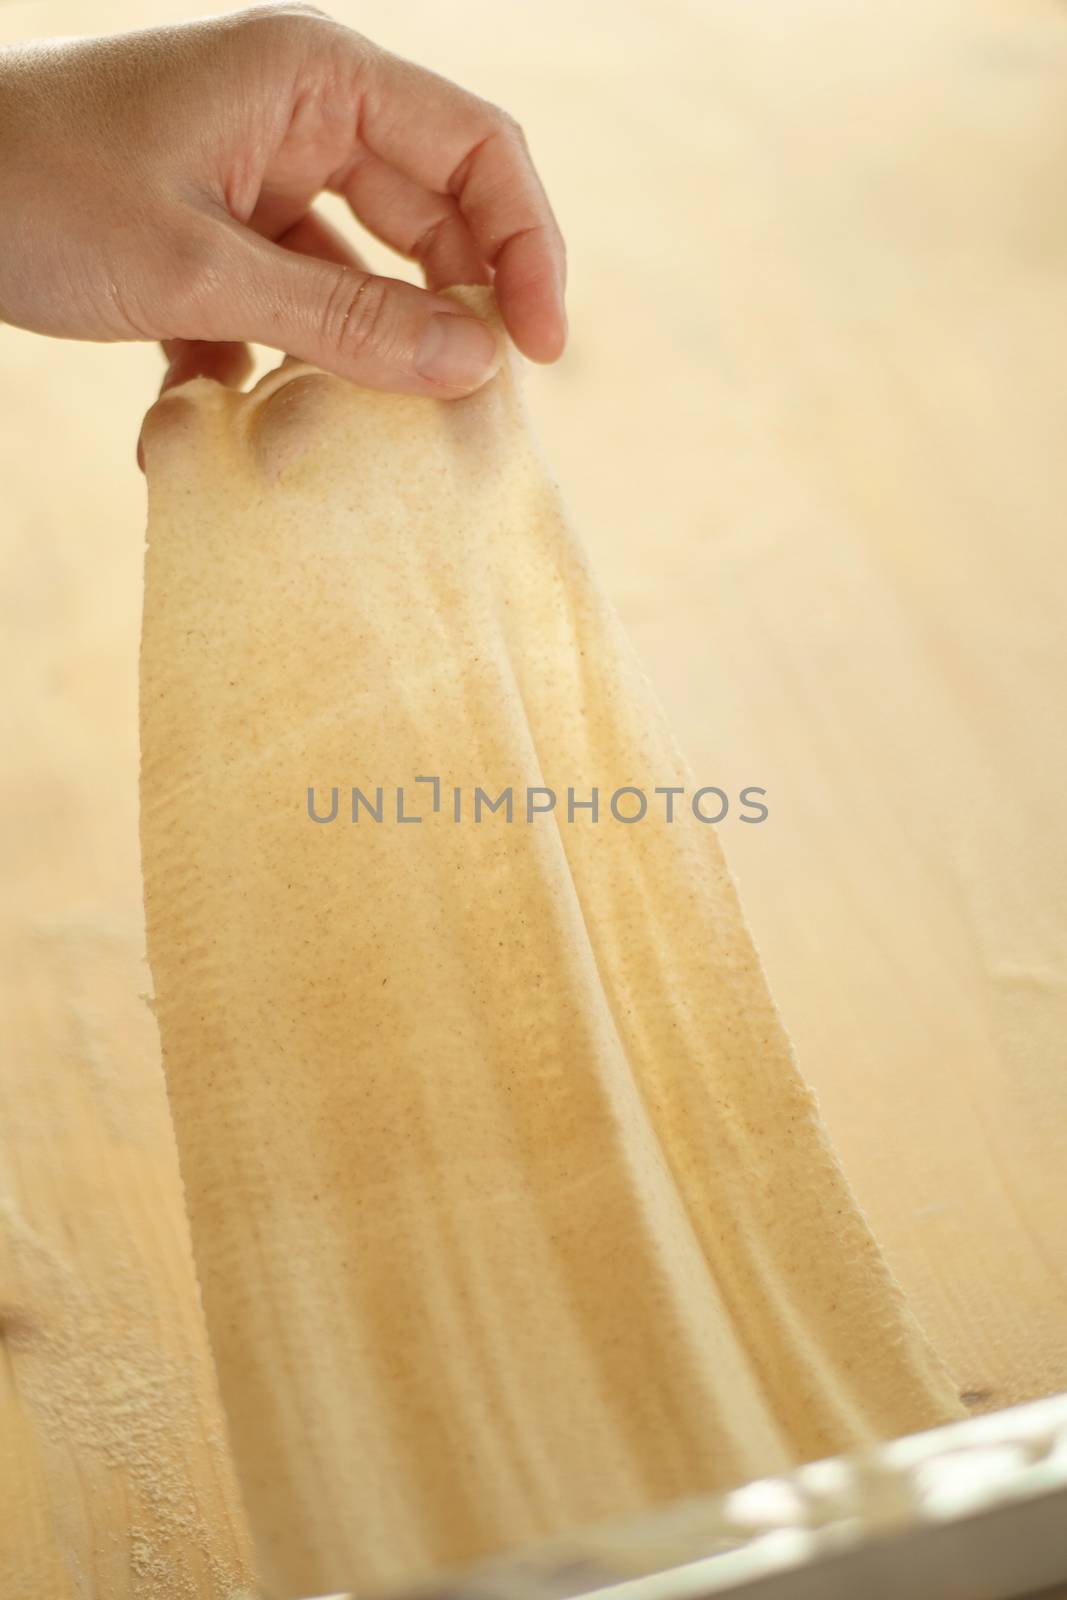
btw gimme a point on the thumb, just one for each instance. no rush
(379, 332)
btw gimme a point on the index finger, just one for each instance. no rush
(454, 144)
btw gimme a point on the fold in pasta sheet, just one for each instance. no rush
(510, 1208)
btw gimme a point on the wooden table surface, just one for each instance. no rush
(810, 425)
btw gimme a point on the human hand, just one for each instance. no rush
(158, 185)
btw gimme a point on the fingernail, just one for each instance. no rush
(460, 352)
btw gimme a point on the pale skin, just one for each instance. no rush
(159, 185)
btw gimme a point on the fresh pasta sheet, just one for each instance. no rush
(510, 1208)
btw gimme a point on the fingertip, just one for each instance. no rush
(553, 339)
(531, 299)
(539, 330)
(458, 352)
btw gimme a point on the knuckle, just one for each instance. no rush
(511, 127)
(279, 16)
(498, 122)
(356, 316)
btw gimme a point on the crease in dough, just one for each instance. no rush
(511, 1210)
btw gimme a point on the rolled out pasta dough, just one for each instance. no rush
(510, 1208)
